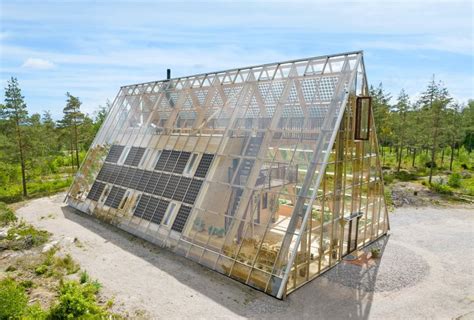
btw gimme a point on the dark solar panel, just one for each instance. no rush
(151, 208)
(160, 186)
(131, 172)
(115, 172)
(105, 174)
(115, 197)
(101, 174)
(193, 191)
(171, 163)
(160, 164)
(134, 156)
(121, 175)
(96, 191)
(114, 153)
(181, 163)
(160, 211)
(204, 165)
(152, 181)
(181, 218)
(141, 206)
(171, 186)
(135, 179)
(182, 188)
(144, 180)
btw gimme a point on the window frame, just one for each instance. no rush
(105, 193)
(125, 199)
(358, 118)
(124, 155)
(135, 204)
(191, 165)
(170, 214)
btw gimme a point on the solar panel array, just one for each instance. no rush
(96, 191)
(134, 156)
(172, 161)
(115, 197)
(181, 218)
(160, 186)
(114, 153)
(151, 208)
(204, 165)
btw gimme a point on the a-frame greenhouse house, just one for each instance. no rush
(268, 174)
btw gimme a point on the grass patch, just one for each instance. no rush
(67, 264)
(6, 215)
(24, 236)
(36, 189)
(84, 277)
(75, 301)
(53, 266)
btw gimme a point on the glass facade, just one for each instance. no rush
(256, 172)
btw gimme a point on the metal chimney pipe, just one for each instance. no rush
(168, 74)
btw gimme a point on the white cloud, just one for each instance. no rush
(37, 63)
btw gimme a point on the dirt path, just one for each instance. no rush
(426, 271)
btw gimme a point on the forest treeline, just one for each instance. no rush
(39, 155)
(434, 125)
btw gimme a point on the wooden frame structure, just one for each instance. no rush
(253, 172)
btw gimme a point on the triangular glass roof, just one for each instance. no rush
(230, 168)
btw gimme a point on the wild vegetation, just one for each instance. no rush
(38, 281)
(431, 136)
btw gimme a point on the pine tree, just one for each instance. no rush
(434, 100)
(401, 108)
(381, 114)
(15, 112)
(455, 131)
(73, 118)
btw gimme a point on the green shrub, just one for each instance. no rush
(41, 269)
(6, 215)
(77, 301)
(441, 188)
(67, 263)
(84, 277)
(13, 299)
(34, 312)
(375, 252)
(404, 175)
(454, 180)
(27, 284)
(388, 178)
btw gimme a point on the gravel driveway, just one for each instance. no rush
(425, 272)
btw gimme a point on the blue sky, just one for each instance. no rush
(91, 48)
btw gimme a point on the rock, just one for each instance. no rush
(3, 233)
(49, 246)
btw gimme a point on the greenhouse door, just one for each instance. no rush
(351, 233)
